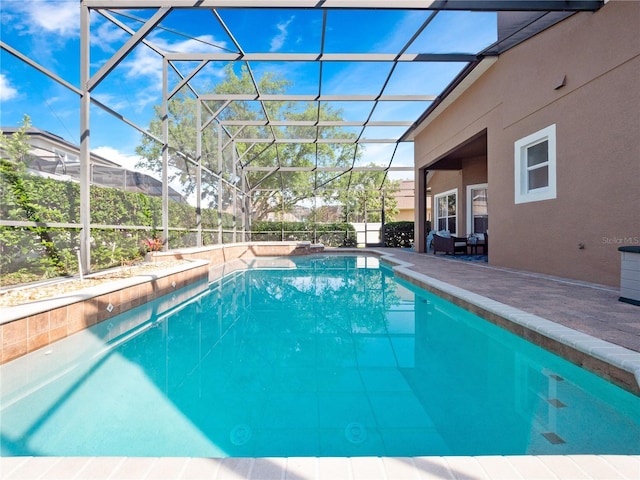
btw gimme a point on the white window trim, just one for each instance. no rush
(435, 206)
(522, 195)
(470, 205)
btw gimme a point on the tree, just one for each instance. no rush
(14, 190)
(361, 195)
(17, 145)
(274, 193)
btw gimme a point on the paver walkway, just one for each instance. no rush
(587, 307)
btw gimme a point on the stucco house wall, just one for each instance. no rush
(582, 76)
(405, 201)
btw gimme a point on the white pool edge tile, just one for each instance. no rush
(558, 467)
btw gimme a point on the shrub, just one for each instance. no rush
(399, 234)
(44, 251)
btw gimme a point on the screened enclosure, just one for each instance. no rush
(191, 123)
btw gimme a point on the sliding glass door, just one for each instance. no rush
(477, 209)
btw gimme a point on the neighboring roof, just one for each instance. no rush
(52, 137)
(104, 171)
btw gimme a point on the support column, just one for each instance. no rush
(235, 190)
(281, 217)
(245, 205)
(165, 153)
(420, 240)
(199, 173)
(220, 186)
(383, 232)
(315, 217)
(85, 151)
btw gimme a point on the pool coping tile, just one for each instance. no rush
(98, 468)
(433, 467)
(598, 468)
(625, 465)
(363, 468)
(200, 468)
(557, 467)
(66, 469)
(299, 466)
(164, 468)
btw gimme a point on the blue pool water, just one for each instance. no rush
(320, 356)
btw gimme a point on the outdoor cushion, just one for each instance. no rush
(450, 245)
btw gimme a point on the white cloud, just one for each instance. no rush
(115, 102)
(60, 17)
(128, 105)
(106, 34)
(126, 161)
(200, 44)
(147, 63)
(278, 40)
(7, 92)
(377, 154)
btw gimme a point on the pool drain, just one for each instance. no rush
(355, 432)
(240, 434)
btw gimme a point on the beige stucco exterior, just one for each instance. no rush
(597, 118)
(404, 215)
(405, 202)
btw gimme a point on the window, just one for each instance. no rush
(477, 209)
(446, 211)
(535, 166)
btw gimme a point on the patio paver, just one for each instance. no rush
(586, 307)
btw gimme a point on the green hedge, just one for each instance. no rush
(329, 234)
(399, 234)
(30, 253)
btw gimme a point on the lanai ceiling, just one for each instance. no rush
(383, 65)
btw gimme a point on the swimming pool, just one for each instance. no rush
(316, 356)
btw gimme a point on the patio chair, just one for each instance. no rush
(479, 240)
(449, 244)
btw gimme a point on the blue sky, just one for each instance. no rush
(48, 31)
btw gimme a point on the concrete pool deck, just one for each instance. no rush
(588, 308)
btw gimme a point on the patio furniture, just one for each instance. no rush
(449, 244)
(478, 240)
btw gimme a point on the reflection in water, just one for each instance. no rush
(331, 358)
